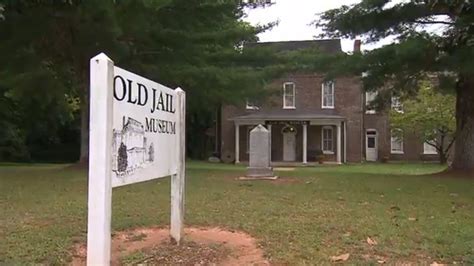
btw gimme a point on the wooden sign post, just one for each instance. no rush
(137, 133)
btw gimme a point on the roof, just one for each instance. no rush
(289, 114)
(326, 45)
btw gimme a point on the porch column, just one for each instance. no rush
(345, 142)
(338, 143)
(237, 144)
(305, 143)
(269, 128)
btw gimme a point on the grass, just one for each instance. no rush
(312, 214)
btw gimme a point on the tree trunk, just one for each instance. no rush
(442, 157)
(84, 157)
(464, 149)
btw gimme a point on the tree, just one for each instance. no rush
(417, 52)
(47, 50)
(430, 116)
(195, 44)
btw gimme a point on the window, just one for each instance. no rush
(428, 149)
(371, 136)
(250, 105)
(397, 104)
(396, 141)
(327, 93)
(369, 98)
(288, 95)
(327, 140)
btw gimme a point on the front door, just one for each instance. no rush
(289, 146)
(371, 153)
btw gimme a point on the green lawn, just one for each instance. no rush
(317, 212)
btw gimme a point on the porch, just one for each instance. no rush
(295, 139)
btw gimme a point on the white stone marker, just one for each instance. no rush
(137, 133)
(259, 155)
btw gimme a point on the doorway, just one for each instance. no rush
(371, 146)
(289, 144)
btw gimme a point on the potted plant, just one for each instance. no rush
(385, 158)
(320, 156)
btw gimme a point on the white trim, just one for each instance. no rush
(338, 143)
(332, 140)
(305, 143)
(345, 142)
(284, 96)
(392, 151)
(376, 143)
(333, 95)
(397, 152)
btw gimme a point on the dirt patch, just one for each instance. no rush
(201, 246)
(187, 253)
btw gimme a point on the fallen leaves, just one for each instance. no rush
(371, 241)
(342, 257)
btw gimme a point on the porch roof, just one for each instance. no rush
(289, 115)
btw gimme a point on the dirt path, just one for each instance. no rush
(243, 248)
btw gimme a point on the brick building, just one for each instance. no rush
(308, 115)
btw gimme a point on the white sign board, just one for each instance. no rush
(144, 129)
(137, 129)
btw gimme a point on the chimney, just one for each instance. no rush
(357, 44)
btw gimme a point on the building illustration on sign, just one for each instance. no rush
(130, 150)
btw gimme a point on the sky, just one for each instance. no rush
(294, 17)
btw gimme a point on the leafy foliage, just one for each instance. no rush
(195, 44)
(431, 38)
(431, 116)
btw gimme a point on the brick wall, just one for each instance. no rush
(348, 99)
(412, 145)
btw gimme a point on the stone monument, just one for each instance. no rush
(259, 157)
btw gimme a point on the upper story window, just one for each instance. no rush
(327, 140)
(396, 141)
(397, 104)
(250, 105)
(369, 98)
(327, 92)
(289, 95)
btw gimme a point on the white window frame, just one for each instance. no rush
(285, 106)
(396, 104)
(327, 105)
(394, 139)
(326, 151)
(367, 102)
(250, 105)
(429, 149)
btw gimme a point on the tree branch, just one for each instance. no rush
(434, 22)
(449, 145)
